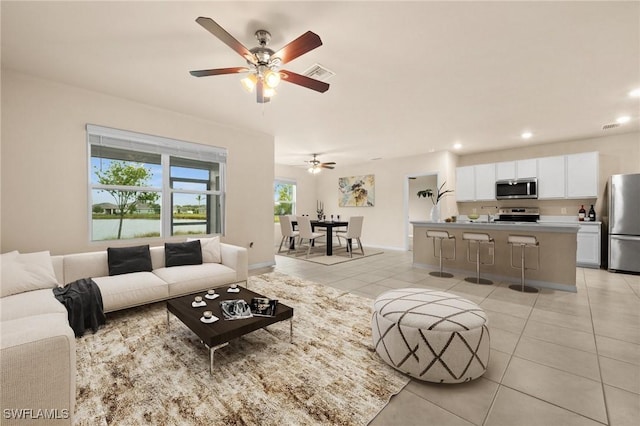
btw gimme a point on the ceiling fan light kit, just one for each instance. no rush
(263, 64)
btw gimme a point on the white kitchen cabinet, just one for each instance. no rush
(517, 169)
(506, 170)
(527, 168)
(485, 182)
(588, 253)
(465, 183)
(582, 175)
(551, 177)
(476, 183)
(561, 176)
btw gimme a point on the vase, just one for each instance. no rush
(435, 213)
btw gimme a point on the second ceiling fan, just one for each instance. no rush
(263, 64)
(315, 165)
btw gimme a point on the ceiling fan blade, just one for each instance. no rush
(218, 71)
(304, 81)
(327, 167)
(330, 163)
(298, 47)
(215, 29)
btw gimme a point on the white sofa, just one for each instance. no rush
(37, 345)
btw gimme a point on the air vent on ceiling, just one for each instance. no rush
(610, 126)
(319, 72)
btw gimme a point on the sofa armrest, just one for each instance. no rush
(236, 258)
(37, 369)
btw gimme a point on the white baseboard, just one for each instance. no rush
(262, 265)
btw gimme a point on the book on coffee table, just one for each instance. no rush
(263, 306)
(235, 309)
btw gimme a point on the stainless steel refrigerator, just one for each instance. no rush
(624, 223)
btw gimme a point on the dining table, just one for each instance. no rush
(329, 225)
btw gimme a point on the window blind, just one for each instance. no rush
(114, 138)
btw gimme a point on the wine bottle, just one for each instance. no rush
(581, 213)
(592, 214)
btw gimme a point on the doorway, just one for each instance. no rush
(417, 209)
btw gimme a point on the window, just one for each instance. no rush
(284, 195)
(145, 186)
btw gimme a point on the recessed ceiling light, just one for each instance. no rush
(623, 119)
(526, 135)
(457, 146)
(635, 93)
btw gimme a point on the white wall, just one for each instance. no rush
(385, 223)
(44, 166)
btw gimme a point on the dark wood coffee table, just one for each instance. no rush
(218, 334)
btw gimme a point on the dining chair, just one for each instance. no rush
(287, 232)
(305, 232)
(354, 232)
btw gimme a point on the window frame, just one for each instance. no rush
(166, 148)
(286, 181)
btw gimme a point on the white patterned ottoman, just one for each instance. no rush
(431, 335)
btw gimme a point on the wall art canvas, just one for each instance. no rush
(357, 191)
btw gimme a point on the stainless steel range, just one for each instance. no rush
(518, 214)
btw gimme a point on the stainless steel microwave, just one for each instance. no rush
(517, 189)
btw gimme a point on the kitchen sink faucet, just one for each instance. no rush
(490, 217)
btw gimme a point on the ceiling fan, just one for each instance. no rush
(315, 165)
(263, 64)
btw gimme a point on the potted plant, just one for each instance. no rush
(435, 197)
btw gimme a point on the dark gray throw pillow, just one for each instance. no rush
(123, 260)
(178, 254)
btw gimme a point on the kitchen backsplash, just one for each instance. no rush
(547, 207)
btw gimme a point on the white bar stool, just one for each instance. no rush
(524, 242)
(479, 240)
(441, 236)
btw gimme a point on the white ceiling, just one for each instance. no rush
(411, 77)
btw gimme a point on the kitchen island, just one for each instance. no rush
(558, 245)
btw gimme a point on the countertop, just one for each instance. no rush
(559, 227)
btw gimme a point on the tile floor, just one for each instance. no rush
(557, 358)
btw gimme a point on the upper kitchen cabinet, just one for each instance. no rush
(506, 170)
(476, 183)
(485, 182)
(582, 175)
(527, 168)
(465, 184)
(516, 169)
(561, 176)
(551, 177)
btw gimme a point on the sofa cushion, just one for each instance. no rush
(36, 302)
(210, 249)
(85, 265)
(179, 254)
(192, 278)
(25, 272)
(125, 260)
(125, 291)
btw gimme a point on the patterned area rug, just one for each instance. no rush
(340, 255)
(133, 371)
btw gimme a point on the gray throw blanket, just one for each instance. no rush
(83, 301)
